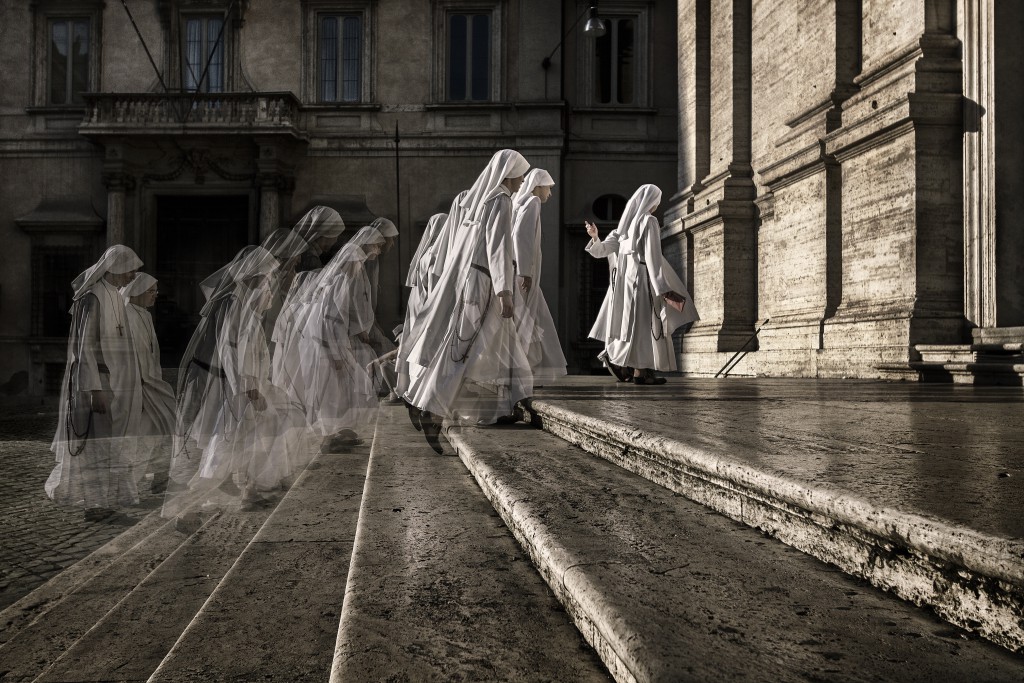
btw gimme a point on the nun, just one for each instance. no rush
(534, 323)
(101, 397)
(156, 421)
(462, 356)
(646, 300)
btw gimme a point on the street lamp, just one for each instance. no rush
(594, 28)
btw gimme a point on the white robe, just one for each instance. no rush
(94, 460)
(634, 323)
(534, 323)
(156, 425)
(332, 360)
(262, 445)
(473, 366)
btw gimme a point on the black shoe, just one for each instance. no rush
(506, 420)
(98, 514)
(188, 523)
(415, 415)
(432, 432)
(159, 485)
(228, 487)
(620, 372)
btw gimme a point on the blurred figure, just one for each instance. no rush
(101, 397)
(381, 342)
(646, 300)
(335, 346)
(320, 228)
(533, 317)
(156, 422)
(471, 364)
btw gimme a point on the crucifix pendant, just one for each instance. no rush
(120, 330)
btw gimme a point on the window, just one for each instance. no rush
(467, 51)
(69, 59)
(609, 207)
(615, 72)
(617, 64)
(337, 52)
(469, 57)
(340, 61)
(203, 54)
(53, 269)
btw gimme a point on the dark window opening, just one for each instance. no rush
(609, 207)
(615, 63)
(469, 57)
(69, 60)
(341, 58)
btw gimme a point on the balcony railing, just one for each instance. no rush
(161, 113)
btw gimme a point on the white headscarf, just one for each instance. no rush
(630, 228)
(117, 259)
(140, 285)
(385, 227)
(537, 177)
(320, 221)
(506, 163)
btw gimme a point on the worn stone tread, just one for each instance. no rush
(667, 590)
(438, 589)
(274, 615)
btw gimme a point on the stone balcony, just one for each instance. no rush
(244, 113)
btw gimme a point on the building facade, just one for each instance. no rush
(851, 171)
(189, 128)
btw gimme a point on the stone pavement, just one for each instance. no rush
(39, 539)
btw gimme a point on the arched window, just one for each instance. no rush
(609, 207)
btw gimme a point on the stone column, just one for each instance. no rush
(270, 208)
(722, 220)
(118, 183)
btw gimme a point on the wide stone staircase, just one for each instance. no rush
(584, 544)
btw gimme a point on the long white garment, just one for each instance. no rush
(478, 371)
(634, 322)
(262, 439)
(156, 421)
(534, 323)
(332, 350)
(94, 460)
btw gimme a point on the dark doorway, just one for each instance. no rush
(196, 235)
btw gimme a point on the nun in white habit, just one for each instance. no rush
(646, 301)
(323, 226)
(471, 364)
(260, 440)
(533, 318)
(156, 423)
(101, 397)
(419, 280)
(335, 346)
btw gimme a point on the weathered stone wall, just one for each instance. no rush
(855, 207)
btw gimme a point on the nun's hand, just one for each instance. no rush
(591, 229)
(527, 283)
(673, 296)
(505, 298)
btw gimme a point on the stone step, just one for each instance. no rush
(438, 589)
(157, 604)
(137, 633)
(970, 353)
(274, 615)
(46, 623)
(989, 372)
(969, 574)
(667, 590)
